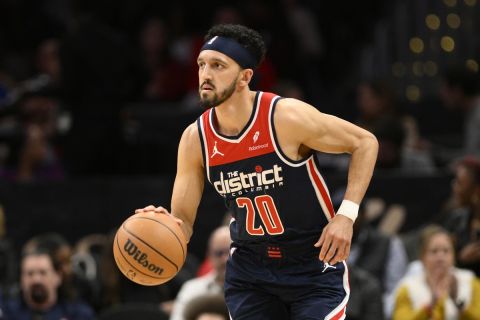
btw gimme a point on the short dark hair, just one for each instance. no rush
(464, 78)
(246, 37)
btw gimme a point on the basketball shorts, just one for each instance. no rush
(269, 282)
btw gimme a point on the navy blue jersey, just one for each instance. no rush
(273, 199)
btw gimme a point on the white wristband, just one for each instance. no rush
(349, 209)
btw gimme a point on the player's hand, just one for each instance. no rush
(159, 210)
(335, 240)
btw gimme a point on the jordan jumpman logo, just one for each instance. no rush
(215, 151)
(326, 265)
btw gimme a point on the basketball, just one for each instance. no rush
(149, 248)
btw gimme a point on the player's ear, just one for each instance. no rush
(245, 77)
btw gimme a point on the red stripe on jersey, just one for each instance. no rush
(339, 314)
(255, 141)
(321, 188)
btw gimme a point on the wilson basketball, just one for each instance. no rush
(149, 248)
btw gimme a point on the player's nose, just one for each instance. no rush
(205, 73)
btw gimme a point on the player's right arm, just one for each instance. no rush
(189, 182)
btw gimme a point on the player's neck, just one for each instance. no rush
(233, 115)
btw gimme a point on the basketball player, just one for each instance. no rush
(257, 150)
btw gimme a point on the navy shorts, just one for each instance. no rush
(261, 284)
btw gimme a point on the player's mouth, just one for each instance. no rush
(207, 87)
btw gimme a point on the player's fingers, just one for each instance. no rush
(160, 210)
(325, 248)
(146, 209)
(332, 251)
(342, 252)
(321, 240)
(339, 255)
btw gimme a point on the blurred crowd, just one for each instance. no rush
(95, 88)
(92, 88)
(429, 272)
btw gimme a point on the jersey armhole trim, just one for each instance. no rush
(278, 149)
(203, 143)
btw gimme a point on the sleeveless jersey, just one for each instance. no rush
(273, 199)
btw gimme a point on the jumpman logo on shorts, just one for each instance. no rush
(215, 151)
(326, 265)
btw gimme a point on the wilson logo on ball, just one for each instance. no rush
(141, 257)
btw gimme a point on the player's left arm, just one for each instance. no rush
(326, 133)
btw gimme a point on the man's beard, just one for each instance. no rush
(38, 293)
(217, 100)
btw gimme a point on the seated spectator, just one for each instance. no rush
(212, 282)
(365, 302)
(464, 224)
(377, 114)
(33, 152)
(460, 89)
(165, 76)
(208, 307)
(438, 290)
(40, 298)
(74, 285)
(462, 189)
(383, 256)
(400, 143)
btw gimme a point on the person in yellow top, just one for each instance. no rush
(438, 291)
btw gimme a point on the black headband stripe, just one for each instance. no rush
(232, 49)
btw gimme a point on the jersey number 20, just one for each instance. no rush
(267, 211)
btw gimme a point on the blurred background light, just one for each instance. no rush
(453, 20)
(432, 21)
(447, 43)
(416, 45)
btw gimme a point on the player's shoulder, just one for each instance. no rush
(292, 105)
(190, 135)
(290, 109)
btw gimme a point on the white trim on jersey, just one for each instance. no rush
(239, 139)
(205, 147)
(272, 137)
(343, 304)
(324, 206)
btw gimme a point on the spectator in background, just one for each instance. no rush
(40, 297)
(377, 114)
(462, 189)
(460, 89)
(73, 286)
(383, 256)
(33, 149)
(39, 156)
(207, 307)
(165, 76)
(365, 302)
(47, 65)
(212, 282)
(400, 143)
(438, 290)
(464, 223)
